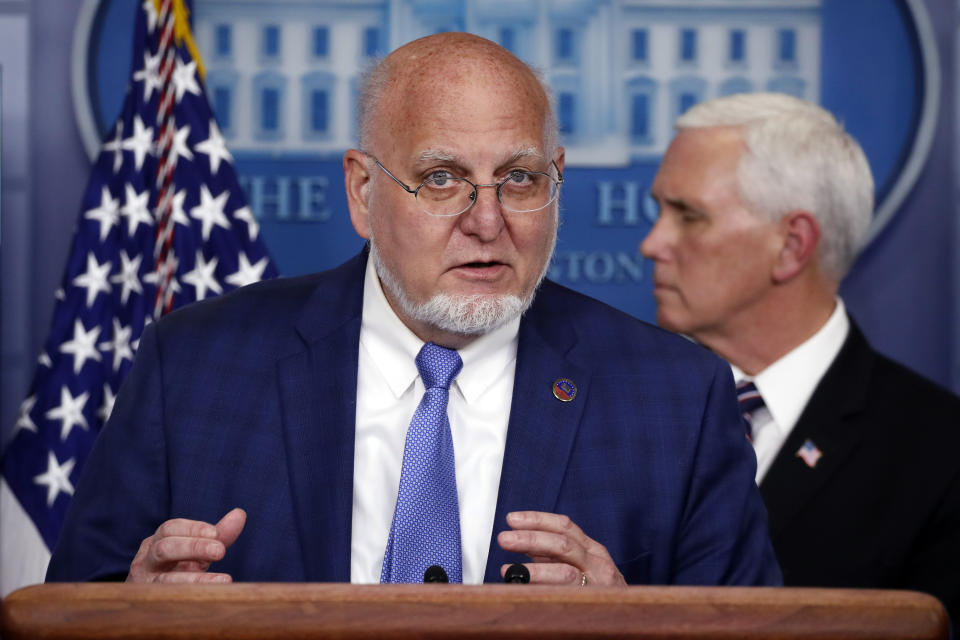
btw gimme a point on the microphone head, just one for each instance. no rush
(435, 573)
(517, 573)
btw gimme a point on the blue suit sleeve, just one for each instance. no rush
(122, 495)
(724, 537)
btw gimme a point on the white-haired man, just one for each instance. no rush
(764, 200)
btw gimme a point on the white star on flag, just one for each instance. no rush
(140, 143)
(150, 75)
(115, 145)
(202, 276)
(120, 345)
(94, 279)
(247, 273)
(245, 215)
(185, 78)
(56, 478)
(151, 12)
(107, 214)
(44, 360)
(106, 407)
(177, 214)
(82, 346)
(135, 209)
(24, 421)
(215, 147)
(129, 277)
(180, 148)
(70, 412)
(210, 211)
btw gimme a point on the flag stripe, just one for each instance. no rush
(23, 554)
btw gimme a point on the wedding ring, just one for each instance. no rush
(583, 579)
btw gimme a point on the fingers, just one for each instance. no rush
(189, 565)
(186, 528)
(181, 577)
(543, 521)
(543, 573)
(176, 549)
(230, 526)
(182, 550)
(544, 546)
(553, 523)
(561, 552)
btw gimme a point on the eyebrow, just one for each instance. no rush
(524, 153)
(681, 206)
(663, 200)
(436, 155)
(443, 155)
(678, 203)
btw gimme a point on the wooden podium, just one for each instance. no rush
(86, 611)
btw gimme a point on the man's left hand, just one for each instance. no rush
(561, 552)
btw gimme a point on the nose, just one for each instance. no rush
(484, 220)
(655, 245)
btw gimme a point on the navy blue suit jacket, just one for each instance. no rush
(249, 400)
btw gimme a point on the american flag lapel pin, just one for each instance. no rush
(809, 453)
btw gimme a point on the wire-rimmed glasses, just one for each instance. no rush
(448, 195)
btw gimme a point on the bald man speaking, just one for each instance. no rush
(433, 403)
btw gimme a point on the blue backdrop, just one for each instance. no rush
(617, 92)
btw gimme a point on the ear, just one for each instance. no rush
(800, 233)
(560, 157)
(357, 181)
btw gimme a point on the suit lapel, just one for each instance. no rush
(829, 421)
(541, 429)
(318, 390)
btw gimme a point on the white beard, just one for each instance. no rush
(468, 315)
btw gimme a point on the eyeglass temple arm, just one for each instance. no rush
(394, 178)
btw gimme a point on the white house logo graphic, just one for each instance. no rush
(282, 78)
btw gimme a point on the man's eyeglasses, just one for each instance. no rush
(446, 195)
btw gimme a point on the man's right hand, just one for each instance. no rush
(182, 550)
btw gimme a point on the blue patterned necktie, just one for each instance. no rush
(426, 522)
(750, 401)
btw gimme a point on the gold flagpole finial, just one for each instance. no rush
(183, 34)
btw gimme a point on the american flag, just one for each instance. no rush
(809, 453)
(163, 223)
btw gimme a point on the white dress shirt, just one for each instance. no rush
(388, 392)
(787, 384)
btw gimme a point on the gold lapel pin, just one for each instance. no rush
(564, 390)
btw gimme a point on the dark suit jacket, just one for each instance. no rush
(249, 400)
(881, 508)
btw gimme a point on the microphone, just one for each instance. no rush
(517, 573)
(435, 573)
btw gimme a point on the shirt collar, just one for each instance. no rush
(394, 348)
(787, 384)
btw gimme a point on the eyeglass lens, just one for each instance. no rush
(521, 192)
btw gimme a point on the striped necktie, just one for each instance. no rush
(426, 521)
(750, 401)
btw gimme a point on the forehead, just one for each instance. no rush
(470, 109)
(700, 160)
